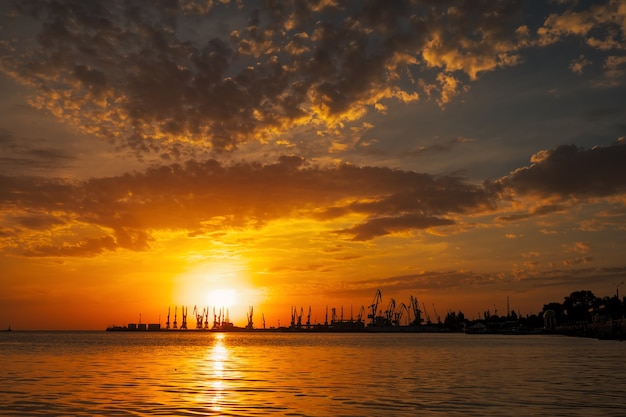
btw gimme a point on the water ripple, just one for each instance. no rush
(91, 374)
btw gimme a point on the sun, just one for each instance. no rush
(222, 297)
(222, 287)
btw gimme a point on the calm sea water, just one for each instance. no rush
(251, 374)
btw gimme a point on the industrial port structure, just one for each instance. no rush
(394, 317)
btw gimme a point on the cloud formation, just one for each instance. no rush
(168, 76)
(202, 196)
(571, 172)
(55, 217)
(601, 24)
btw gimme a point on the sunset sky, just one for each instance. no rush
(156, 154)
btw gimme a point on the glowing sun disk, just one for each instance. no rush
(222, 297)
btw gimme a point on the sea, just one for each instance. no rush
(198, 373)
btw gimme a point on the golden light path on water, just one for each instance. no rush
(217, 356)
(261, 374)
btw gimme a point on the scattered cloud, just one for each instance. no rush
(601, 25)
(136, 77)
(579, 247)
(614, 70)
(577, 261)
(579, 64)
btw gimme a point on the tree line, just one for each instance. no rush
(578, 307)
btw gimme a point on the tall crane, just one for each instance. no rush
(399, 313)
(167, 323)
(299, 324)
(294, 312)
(426, 313)
(359, 317)
(308, 319)
(389, 313)
(175, 313)
(374, 307)
(184, 313)
(250, 324)
(417, 314)
(199, 317)
(263, 317)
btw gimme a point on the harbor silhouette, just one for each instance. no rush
(580, 314)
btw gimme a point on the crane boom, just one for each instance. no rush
(359, 317)
(400, 312)
(250, 324)
(417, 314)
(199, 316)
(374, 307)
(426, 313)
(184, 313)
(308, 319)
(391, 310)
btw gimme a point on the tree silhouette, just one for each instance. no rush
(577, 306)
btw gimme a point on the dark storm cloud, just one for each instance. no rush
(382, 226)
(147, 74)
(569, 171)
(423, 202)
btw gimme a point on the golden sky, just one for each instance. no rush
(283, 154)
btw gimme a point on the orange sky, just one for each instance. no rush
(307, 155)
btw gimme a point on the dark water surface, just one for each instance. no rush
(252, 374)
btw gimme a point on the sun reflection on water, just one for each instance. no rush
(218, 357)
(271, 374)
